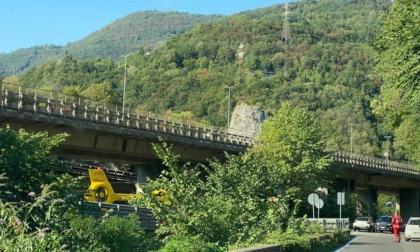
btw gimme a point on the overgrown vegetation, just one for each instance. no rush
(249, 197)
(398, 48)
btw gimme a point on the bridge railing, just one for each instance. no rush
(80, 169)
(44, 102)
(379, 164)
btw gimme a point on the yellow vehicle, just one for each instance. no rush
(101, 190)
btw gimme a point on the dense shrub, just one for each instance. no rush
(28, 226)
(190, 244)
(294, 242)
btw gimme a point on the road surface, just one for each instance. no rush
(381, 242)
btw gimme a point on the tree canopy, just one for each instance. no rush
(26, 161)
(398, 106)
(293, 151)
(249, 195)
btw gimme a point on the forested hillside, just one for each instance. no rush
(121, 37)
(126, 35)
(317, 54)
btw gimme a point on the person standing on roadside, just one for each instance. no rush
(397, 224)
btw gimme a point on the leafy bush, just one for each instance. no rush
(28, 226)
(110, 233)
(290, 241)
(81, 234)
(26, 161)
(124, 234)
(224, 208)
(190, 244)
(308, 242)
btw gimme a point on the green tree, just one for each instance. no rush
(26, 161)
(235, 201)
(38, 209)
(382, 200)
(398, 47)
(34, 192)
(225, 204)
(101, 94)
(291, 147)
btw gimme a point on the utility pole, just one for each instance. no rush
(285, 35)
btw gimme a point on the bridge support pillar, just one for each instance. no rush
(145, 171)
(368, 195)
(410, 203)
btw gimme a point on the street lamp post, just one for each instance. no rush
(125, 81)
(351, 139)
(351, 156)
(387, 149)
(228, 118)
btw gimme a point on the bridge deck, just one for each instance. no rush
(26, 103)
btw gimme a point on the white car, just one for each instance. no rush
(412, 229)
(363, 223)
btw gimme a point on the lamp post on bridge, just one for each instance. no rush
(125, 81)
(228, 117)
(351, 139)
(351, 156)
(386, 154)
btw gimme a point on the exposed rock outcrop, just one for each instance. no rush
(246, 120)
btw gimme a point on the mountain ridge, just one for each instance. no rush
(123, 36)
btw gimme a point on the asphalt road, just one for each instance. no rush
(382, 242)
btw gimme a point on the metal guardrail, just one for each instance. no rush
(112, 174)
(381, 165)
(378, 164)
(42, 102)
(99, 209)
(331, 223)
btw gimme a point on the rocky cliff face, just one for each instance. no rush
(246, 120)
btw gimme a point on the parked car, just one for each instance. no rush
(363, 223)
(412, 229)
(383, 223)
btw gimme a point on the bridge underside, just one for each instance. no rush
(387, 181)
(89, 141)
(368, 184)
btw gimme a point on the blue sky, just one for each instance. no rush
(26, 23)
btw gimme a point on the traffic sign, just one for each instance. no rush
(340, 198)
(313, 198)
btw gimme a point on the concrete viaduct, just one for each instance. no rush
(97, 132)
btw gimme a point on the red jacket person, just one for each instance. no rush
(397, 224)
